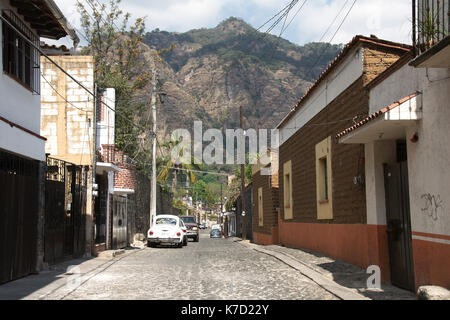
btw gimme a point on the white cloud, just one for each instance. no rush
(387, 19)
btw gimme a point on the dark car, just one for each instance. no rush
(192, 227)
(215, 233)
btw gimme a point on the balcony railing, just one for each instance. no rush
(431, 23)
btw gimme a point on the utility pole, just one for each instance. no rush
(244, 218)
(153, 175)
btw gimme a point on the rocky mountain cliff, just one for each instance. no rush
(211, 72)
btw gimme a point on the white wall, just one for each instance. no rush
(429, 159)
(106, 128)
(402, 83)
(377, 153)
(22, 107)
(339, 80)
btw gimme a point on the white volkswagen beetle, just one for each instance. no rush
(167, 230)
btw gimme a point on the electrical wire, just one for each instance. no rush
(334, 35)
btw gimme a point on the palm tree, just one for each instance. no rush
(174, 165)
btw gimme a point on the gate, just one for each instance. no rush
(65, 211)
(19, 207)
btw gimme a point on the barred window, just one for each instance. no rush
(21, 60)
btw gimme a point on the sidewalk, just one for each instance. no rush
(56, 283)
(345, 280)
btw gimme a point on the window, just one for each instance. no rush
(260, 207)
(324, 180)
(21, 60)
(166, 221)
(287, 187)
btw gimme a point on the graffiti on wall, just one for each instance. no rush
(433, 205)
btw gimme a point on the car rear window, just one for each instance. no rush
(166, 221)
(188, 219)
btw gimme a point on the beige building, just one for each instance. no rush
(67, 110)
(67, 119)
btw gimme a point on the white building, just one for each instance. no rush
(22, 148)
(407, 165)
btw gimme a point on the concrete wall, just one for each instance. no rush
(19, 105)
(106, 118)
(428, 163)
(377, 153)
(68, 127)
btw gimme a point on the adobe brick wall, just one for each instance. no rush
(270, 204)
(249, 214)
(376, 62)
(347, 236)
(349, 201)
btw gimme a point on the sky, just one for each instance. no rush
(387, 19)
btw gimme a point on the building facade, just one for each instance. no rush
(322, 191)
(406, 162)
(265, 207)
(22, 147)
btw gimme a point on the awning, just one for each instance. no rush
(387, 124)
(103, 167)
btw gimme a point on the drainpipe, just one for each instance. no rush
(94, 167)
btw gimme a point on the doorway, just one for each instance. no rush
(399, 221)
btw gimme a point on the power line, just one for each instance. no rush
(334, 35)
(64, 71)
(284, 27)
(295, 15)
(82, 110)
(282, 10)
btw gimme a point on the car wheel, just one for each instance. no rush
(150, 244)
(180, 245)
(197, 239)
(185, 242)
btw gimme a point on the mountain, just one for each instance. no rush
(209, 73)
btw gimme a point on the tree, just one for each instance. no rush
(120, 64)
(173, 165)
(234, 189)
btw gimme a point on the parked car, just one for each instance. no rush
(216, 226)
(215, 234)
(203, 226)
(167, 230)
(192, 227)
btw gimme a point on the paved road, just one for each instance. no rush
(213, 269)
(216, 269)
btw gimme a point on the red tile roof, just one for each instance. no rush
(356, 41)
(376, 115)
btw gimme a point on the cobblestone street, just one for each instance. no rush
(213, 269)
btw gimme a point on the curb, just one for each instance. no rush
(339, 291)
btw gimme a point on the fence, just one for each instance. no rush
(431, 23)
(65, 211)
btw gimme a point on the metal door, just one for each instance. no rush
(55, 216)
(19, 187)
(399, 225)
(119, 240)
